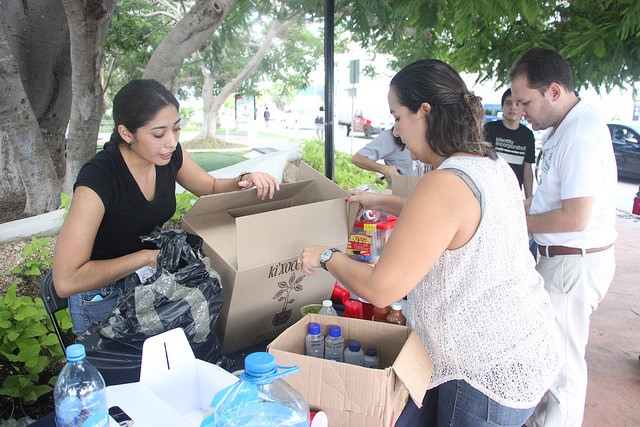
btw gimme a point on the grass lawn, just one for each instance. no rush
(212, 160)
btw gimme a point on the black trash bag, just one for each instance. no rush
(184, 292)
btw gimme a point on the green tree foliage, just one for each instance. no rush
(600, 38)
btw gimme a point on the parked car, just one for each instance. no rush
(492, 112)
(626, 147)
(370, 122)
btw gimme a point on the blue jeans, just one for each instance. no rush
(457, 404)
(95, 305)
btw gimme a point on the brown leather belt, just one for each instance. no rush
(551, 251)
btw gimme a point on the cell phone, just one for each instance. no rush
(121, 417)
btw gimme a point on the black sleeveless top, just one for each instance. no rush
(128, 215)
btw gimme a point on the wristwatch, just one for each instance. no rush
(326, 256)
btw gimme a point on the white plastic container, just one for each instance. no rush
(371, 358)
(314, 341)
(354, 354)
(334, 344)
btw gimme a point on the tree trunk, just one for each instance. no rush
(88, 23)
(213, 103)
(21, 136)
(38, 38)
(186, 37)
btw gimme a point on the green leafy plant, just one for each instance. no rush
(27, 346)
(346, 174)
(37, 258)
(65, 203)
(184, 201)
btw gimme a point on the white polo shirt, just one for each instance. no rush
(578, 161)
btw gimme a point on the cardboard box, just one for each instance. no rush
(175, 388)
(254, 244)
(353, 395)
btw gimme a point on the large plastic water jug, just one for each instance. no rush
(260, 399)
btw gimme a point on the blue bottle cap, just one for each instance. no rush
(314, 328)
(75, 352)
(372, 352)
(354, 346)
(335, 331)
(260, 363)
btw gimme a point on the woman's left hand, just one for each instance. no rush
(309, 259)
(263, 182)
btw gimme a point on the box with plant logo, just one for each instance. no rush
(254, 244)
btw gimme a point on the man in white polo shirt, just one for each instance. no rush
(571, 216)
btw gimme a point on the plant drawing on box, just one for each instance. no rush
(283, 294)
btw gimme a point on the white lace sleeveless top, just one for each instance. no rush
(482, 312)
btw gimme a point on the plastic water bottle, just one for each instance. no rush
(327, 308)
(261, 398)
(354, 354)
(314, 341)
(334, 344)
(80, 395)
(371, 358)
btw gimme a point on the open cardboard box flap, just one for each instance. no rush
(241, 226)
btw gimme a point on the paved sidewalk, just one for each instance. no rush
(613, 395)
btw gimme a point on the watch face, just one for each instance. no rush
(326, 255)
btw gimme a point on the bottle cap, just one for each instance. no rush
(260, 363)
(335, 331)
(75, 352)
(314, 328)
(327, 303)
(372, 352)
(396, 306)
(354, 346)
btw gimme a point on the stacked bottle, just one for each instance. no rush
(371, 358)
(314, 341)
(334, 344)
(354, 354)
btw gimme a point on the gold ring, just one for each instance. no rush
(298, 262)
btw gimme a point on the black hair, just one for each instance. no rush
(136, 104)
(541, 67)
(505, 95)
(456, 120)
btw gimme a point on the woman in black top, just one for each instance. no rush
(122, 193)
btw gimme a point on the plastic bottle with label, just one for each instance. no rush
(261, 398)
(79, 394)
(371, 358)
(334, 344)
(380, 313)
(396, 315)
(354, 354)
(314, 341)
(327, 308)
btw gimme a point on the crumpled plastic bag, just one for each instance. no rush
(184, 292)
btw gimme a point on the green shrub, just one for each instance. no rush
(345, 174)
(27, 345)
(37, 258)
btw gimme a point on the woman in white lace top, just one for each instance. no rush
(460, 251)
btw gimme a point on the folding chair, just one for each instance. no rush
(117, 364)
(53, 303)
